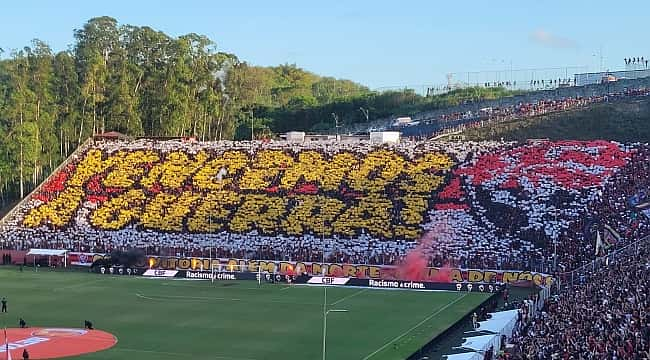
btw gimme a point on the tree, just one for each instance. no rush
(96, 44)
(121, 105)
(141, 81)
(67, 101)
(22, 138)
(148, 51)
(42, 85)
(328, 90)
(93, 94)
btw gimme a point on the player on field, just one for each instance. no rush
(4, 305)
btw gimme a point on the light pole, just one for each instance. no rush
(252, 134)
(555, 254)
(210, 242)
(322, 234)
(336, 125)
(365, 113)
(555, 241)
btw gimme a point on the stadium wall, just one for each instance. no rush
(17, 256)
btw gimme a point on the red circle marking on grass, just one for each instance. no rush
(52, 343)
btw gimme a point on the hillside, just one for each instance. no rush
(626, 121)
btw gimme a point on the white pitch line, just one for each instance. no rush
(349, 296)
(146, 297)
(207, 287)
(285, 288)
(171, 297)
(150, 351)
(414, 327)
(179, 354)
(77, 285)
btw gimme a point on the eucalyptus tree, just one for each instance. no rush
(22, 134)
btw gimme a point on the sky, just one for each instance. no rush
(381, 44)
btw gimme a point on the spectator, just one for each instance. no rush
(596, 319)
(490, 205)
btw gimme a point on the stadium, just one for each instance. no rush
(390, 239)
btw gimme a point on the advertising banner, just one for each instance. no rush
(324, 280)
(216, 276)
(402, 284)
(386, 272)
(425, 285)
(83, 258)
(353, 271)
(160, 273)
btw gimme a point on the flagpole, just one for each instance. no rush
(7, 345)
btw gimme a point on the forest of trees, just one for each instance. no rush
(143, 82)
(137, 81)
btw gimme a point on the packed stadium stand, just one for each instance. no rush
(498, 205)
(603, 316)
(483, 112)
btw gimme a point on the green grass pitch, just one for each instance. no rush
(167, 319)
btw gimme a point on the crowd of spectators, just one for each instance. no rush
(605, 315)
(535, 84)
(637, 62)
(475, 205)
(260, 169)
(612, 207)
(458, 120)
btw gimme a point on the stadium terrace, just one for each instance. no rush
(484, 205)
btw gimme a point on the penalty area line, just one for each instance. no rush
(349, 296)
(414, 327)
(199, 298)
(206, 287)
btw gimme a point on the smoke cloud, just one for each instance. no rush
(415, 265)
